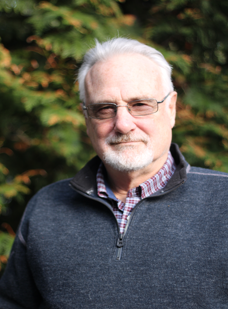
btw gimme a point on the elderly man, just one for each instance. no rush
(139, 227)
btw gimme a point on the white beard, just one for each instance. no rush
(129, 158)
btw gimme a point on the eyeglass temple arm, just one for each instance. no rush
(164, 98)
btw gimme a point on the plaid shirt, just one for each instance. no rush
(122, 210)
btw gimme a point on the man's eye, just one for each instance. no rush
(142, 107)
(139, 104)
(103, 110)
(99, 107)
(106, 107)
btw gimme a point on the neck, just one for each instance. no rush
(121, 182)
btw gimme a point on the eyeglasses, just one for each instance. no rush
(141, 107)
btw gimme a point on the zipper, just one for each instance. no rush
(121, 236)
(120, 239)
(104, 203)
(119, 243)
(120, 246)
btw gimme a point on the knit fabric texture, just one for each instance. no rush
(68, 252)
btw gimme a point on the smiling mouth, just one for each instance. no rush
(127, 142)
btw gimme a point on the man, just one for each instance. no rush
(139, 227)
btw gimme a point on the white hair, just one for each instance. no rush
(105, 50)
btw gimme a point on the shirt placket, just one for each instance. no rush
(132, 199)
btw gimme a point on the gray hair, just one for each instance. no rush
(103, 51)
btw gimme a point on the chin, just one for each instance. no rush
(129, 160)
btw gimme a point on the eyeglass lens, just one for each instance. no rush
(109, 110)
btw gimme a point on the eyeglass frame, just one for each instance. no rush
(84, 107)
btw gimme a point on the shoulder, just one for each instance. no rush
(206, 172)
(203, 181)
(56, 186)
(207, 177)
(48, 206)
(53, 196)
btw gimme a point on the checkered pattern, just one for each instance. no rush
(157, 182)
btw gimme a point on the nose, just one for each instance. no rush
(123, 121)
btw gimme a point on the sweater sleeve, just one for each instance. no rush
(17, 286)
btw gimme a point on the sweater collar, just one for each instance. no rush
(85, 179)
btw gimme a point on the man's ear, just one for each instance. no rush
(171, 108)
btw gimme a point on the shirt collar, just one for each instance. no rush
(150, 186)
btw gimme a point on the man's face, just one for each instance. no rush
(125, 142)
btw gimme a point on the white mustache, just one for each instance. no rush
(125, 138)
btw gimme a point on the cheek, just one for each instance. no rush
(90, 131)
(98, 131)
(150, 126)
(158, 129)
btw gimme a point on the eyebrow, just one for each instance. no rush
(129, 100)
(140, 98)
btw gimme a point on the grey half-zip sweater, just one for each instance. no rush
(68, 252)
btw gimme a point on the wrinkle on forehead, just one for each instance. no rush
(123, 77)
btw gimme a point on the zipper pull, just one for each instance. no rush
(120, 241)
(119, 245)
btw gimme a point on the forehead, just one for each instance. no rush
(123, 77)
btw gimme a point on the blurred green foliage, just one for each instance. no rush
(193, 37)
(42, 130)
